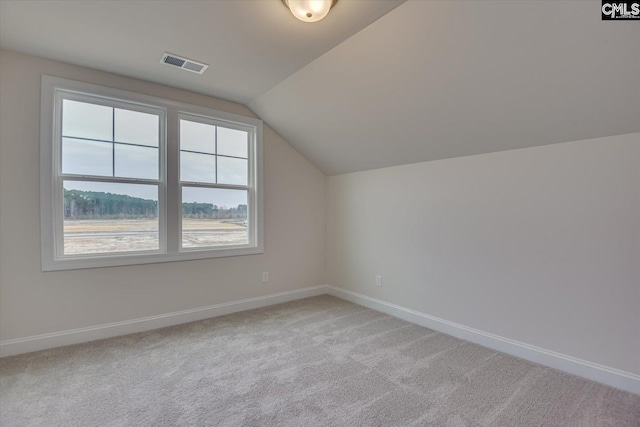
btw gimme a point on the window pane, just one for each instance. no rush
(197, 167)
(84, 120)
(232, 142)
(104, 217)
(134, 127)
(136, 162)
(197, 137)
(232, 170)
(82, 157)
(213, 217)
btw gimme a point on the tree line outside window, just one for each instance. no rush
(99, 205)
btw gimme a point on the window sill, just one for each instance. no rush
(144, 258)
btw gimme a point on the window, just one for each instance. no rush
(214, 181)
(132, 179)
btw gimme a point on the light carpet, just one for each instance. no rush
(319, 361)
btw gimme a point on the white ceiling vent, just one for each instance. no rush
(184, 63)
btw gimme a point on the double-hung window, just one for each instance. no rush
(131, 179)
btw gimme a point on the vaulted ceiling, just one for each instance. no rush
(375, 84)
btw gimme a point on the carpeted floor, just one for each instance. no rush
(318, 361)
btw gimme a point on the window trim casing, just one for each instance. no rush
(169, 187)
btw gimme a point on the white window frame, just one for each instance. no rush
(53, 90)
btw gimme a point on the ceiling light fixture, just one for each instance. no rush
(309, 10)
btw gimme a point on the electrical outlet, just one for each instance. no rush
(378, 280)
(265, 276)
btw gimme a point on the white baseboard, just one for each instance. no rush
(92, 333)
(603, 374)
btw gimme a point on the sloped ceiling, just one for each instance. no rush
(438, 79)
(250, 45)
(378, 83)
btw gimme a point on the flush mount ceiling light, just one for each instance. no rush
(309, 10)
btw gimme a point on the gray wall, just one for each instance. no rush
(32, 302)
(540, 245)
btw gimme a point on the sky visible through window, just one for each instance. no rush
(106, 141)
